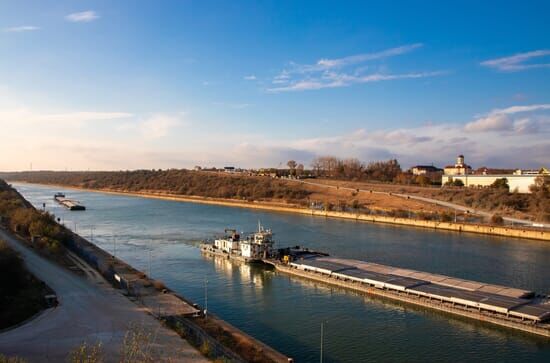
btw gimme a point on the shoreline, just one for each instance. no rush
(502, 231)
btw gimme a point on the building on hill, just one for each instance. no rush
(425, 169)
(460, 168)
(518, 181)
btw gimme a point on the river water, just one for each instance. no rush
(163, 236)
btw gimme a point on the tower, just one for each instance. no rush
(460, 161)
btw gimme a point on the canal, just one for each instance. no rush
(163, 236)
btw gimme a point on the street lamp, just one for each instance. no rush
(205, 297)
(322, 340)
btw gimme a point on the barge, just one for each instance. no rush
(505, 306)
(68, 203)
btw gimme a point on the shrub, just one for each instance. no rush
(446, 217)
(497, 219)
(501, 183)
(159, 285)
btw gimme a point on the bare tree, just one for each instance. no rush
(300, 170)
(292, 166)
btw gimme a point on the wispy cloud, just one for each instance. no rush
(342, 72)
(324, 64)
(23, 115)
(250, 78)
(336, 80)
(20, 29)
(82, 17)
(518, 62)
(159, 125)
(237, 106)
(505, 119)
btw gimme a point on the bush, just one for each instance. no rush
(159, 285)
(497, 219)
(501, 183)
(446, 217)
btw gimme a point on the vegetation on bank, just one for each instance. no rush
(19, 216)
(174, 181)
(498, 198)
(21, 294)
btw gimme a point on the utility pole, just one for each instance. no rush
(149, 262)
(322, 340)
(205, 297)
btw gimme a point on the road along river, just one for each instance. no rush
(162, 237)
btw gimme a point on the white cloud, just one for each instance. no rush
(159, 125)
(503, 120)
(336, 80)
(82, 17)
(24, 115)
(250, 78)
(327, 64)
(237, 106)
(361, 58)
(20, 29)
(493, 122)
(518, 62)
(342, 72)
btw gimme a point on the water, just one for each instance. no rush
(286, 313)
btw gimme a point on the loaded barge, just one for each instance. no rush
(514, 308)
(68, 203)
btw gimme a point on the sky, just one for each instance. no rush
(117, 85)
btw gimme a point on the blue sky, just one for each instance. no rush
(125, 85)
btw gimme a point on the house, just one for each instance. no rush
(425, 169)
(229, 169)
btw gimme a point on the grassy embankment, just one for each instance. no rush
(21, 294)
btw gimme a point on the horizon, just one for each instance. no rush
(107, 86)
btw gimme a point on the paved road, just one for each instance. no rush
(453, 206)
(90, 310)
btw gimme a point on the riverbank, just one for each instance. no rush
(504, 231)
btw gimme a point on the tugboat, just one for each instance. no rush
(254, 248)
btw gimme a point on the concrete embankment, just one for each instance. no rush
(505, 231)
(181, 315)
(423, 302)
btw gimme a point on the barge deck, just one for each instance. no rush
(508, 307)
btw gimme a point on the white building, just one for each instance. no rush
(519, 181)
(460, 168)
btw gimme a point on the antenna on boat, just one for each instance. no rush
(259, 226)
